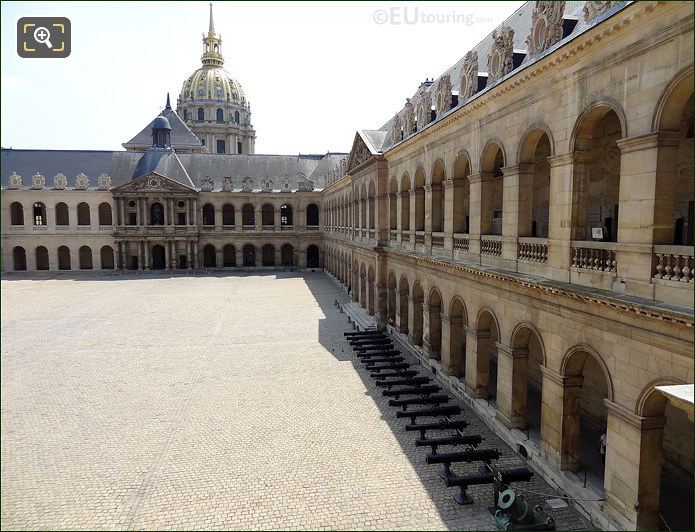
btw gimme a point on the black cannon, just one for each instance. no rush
(407, 381)
(382, 346)
(373, 353)
(442, 424)
(472, 455)
(455, 439)
(369, 341)
(447, 410)
(500, 478)
(438, 399)
(413, 390)
(402, 374)
(358, 334)
(393, 366)
(364, 357)
(384, 360)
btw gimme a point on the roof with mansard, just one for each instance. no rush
(266, 172)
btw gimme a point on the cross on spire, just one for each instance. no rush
(212, 46)
(211, 30)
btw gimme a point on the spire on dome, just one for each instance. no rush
(212, 46)
(168, 102)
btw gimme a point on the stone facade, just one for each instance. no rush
(532, 248)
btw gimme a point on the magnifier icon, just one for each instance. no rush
(42, 35)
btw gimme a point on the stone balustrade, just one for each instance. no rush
(533, 249)
(599, 256)
(491, 245)
(461, 242)
(673, 263)
(437, 240)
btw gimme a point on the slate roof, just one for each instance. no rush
(182, 138)
(186, 168)
(165, 162)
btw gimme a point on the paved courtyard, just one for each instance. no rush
(157, 402)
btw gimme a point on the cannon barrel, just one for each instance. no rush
(374, 349)
(442, 424)
(472, 455)
(426, 400)
(364, 341)
(448, 410)
(388, 344)
(413, 390)
(407, 381)
(364, 357)
(470, 480)
(455, 439)
(520, 474)
(357, 334)
(398, 365)
(396, 374)
(385, 360)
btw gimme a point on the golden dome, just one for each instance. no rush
(212, 83)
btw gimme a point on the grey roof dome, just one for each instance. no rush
(161, 122)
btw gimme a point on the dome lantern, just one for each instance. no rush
(212, 46)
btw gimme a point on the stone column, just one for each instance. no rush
(451, 335)
(512, 373)
(218, 216)
(259, 219)
(445, 351)
(451, 216)
(413, 201)
(412, 333)
(648, 178)
(146, 246)
(278, 254)
(363, 300)
(475, 216)
(276, 219)
(166, 211)
(633, 466)
(141, 260)
(516, 209)
(477, 367)
(565, 170)
(237, 219)
(239, 251)
(219, 258)
(402, 300)
(119, 255)
(399, 214)
(429, 194)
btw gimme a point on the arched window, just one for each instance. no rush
(248, 215)
(62, 214)
(268, 214)
(16, 214)
(286, 215)
(41, 258)
(209, 256)
(105, 217)
(39, 214)
(312, 257)
(236, 116)
(63, 258)
(106, 256)
(83, 217)
(228, 214)
(312, 215)
(249, 254)
(208, 214)
(268, 255)
(85, 258)
(229, 256)
(157, 214)
(220, 146)
(201, 114)
(19, 256)
(219, 116)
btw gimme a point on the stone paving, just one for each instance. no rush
(215, 402)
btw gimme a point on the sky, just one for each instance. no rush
(313, 72)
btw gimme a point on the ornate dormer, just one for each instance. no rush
(546, 26)
(443, 95)
(469, 76)
(424, 109)
(500, 62)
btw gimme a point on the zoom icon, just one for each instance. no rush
(43, 37)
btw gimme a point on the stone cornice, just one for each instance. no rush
(650, 140)
(629, 417)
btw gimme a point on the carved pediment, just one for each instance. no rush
(443, 98)
(501, 59)
(247, 184)
(424, 109)
(60, 181)
(227, 184)
(207, 184)
(546, 26)
(38, 181)
(266, 184)
(359, 153)
(82, 181)
(594, 9)
(304, 184)
(469, 76)
(152, 182)
(104, 182)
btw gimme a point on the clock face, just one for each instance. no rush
(154, 183)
